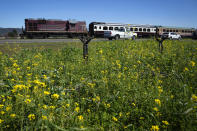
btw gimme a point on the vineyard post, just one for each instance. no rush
(160, 40)
(85, 40)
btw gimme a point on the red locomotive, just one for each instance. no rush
(45, 28)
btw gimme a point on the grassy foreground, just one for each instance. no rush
(126, 85)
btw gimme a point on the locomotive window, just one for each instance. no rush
(183, 31)
(167, 30)
(144, 29)
(131, 29)
(173, 30)
(170, 30)
(116, 28)
(110, 28)
(95, 27)
(148, 30)
(30, 24)
(154, 29)
(164, 30)
(140, 29)
(105, 28)
(136, 29)
(176, 30)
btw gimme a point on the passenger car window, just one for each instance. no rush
(110, 28)
(148, 30)
(116, 28)
(105, 28)
(121, 29)
(140, 29)
(144, 29)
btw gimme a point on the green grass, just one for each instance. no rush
(125, 85)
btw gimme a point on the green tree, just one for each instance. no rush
(13, 33)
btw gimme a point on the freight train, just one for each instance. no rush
(44, 28)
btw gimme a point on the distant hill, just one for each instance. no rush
(4, 31)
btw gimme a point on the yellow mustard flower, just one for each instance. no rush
(93, 99)
(31, 117)
(192, 63)
(165, 122)
(77, 104)
(1, 106)
(141, 118)
(139, 62)
(194, 98)
(108, 105)
(8, 108)
(157, 101)
(55, 96)
(120, 114)
(2, 112)
(80, 118)
(52, 107)
(101, 51)
(44, 117)
(114, 118)
(45, 106)
(27, 101)
(155, 109)
(97, 98)
(1, 121)
(47, 93)
(133, 104)
(155, 128)
(12, 115)
(77, 109)
(45, 77)
(15, 65)
(67, 105)
(186, 69)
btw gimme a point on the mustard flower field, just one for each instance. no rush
(125, 85)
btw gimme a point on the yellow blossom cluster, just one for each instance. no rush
(158, 102)
(155, 128)
(31, 117)
(55, 96)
